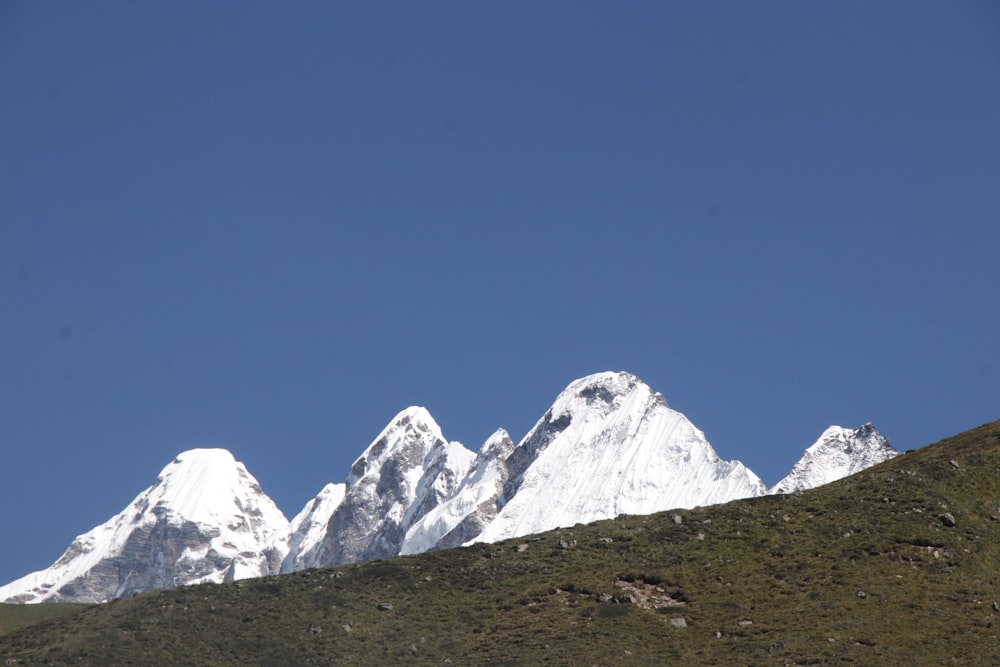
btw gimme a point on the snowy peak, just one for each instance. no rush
(609, 445)
(409, 436)
(206, 485)
(576, 410)
(205, 518)
(839, 452)
(472, 505)
(406, 471)
(600, 392)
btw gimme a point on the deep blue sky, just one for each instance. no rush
(271, 226)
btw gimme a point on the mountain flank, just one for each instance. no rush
(899, 564)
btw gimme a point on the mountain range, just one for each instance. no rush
(608, 446)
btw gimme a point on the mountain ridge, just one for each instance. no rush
(607, 446)
(896, 565)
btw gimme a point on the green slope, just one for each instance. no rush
(16, 616)
(862, 571)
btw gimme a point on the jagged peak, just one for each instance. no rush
(413, 423)
(840, 436)
(838, 452)
(499, 442)
(415, 417)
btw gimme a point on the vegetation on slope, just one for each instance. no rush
(897, 565)
(15, 616)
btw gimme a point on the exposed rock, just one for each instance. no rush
(384, 606)
(408, 470)
(947, 519)
(679, 622)
(315, 629)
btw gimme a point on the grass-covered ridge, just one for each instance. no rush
(863, 571)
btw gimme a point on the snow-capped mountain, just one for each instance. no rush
(308, 528)
(408, 470)
(610, 446)
(839, 452)
(204, 519)
(471, 508)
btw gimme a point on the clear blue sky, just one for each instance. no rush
(271, 226)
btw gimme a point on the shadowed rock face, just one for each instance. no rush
(495, 454)
(155, 556)
(470, 527)
(149, 560)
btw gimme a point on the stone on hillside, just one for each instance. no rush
(947, 519)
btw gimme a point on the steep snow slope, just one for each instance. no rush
(308, 528)
(473, 505)
(839, 452)
(408, 470)
(205, 518)
(610, 446)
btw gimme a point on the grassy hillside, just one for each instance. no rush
(14, 617)
(865, 571)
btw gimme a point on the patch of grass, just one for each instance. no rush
(860, 571)
(15, 616)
